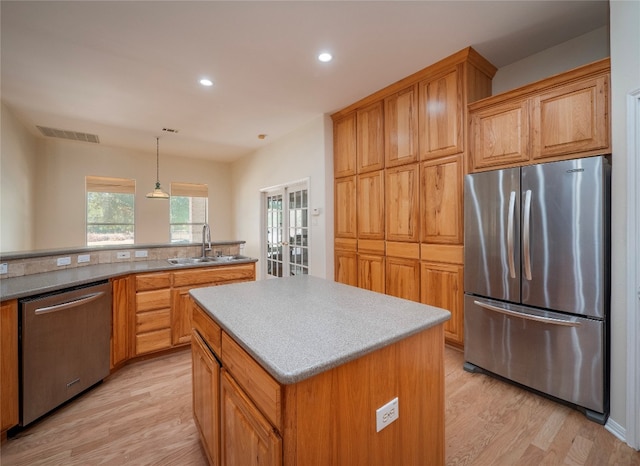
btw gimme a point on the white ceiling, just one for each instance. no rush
(125, 70)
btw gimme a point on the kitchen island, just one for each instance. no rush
(292, 371)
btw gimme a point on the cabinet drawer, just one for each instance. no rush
(150, 300)
(153, 281)
(265, 392)
(210, 331)
(153, 320)
(153, 341)
(214, 275)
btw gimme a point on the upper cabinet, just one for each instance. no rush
(370, 138)
(442, 114)
(401, 127)
(344, 146)
(565, 116)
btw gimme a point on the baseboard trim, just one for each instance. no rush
(616, 429)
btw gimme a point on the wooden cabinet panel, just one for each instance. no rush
(344, 146)
(500, 134)
(370, 205)
(120, 322)
(180, 316)
(206, 397)
(370, 138)
(247, 438)
(153, 281)
(442, 286)
(207, 328)
(9, 402)
(150, 300)
(211, 275)
(371, 272)
(346, 267)
(153, 341)
(401, 209)
(442, 115)
(441, 192)
(401, 127)
(403, 278)
(345, 207)
(571, 119)
(153, 320)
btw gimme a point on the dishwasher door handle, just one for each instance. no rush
(69, 304)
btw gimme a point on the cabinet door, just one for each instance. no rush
(370, 138)
(441, 200)
(401, 209)
(403, 278)
(401, 127)
(500, 135)
(345, 207)
(206, 397)
(9, 364)
(370, 206)
(571, 119)
(246, 437)
(371, 272)
(346, 267)
(442, 286)
(180, 316)
(344, 146)
(120, 326)
(442, 114)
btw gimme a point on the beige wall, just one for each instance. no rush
(625, 78)
(17, 183)
(576, 52)
(305, 153)
(57, 215)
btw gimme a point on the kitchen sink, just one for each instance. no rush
(201, 260)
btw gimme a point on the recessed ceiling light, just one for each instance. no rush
(206, 82)
(325, 57)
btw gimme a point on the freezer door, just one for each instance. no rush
(556, 354)
(564, 236)
(492, 234)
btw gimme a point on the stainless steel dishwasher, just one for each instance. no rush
(64, 344)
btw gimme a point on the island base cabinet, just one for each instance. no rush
(246, 437)
(333, 414)
(206, 382)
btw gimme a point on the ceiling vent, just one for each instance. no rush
(169, 130)
(64, 134)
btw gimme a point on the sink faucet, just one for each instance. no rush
(206, 238)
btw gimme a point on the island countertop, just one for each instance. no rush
(297, 327)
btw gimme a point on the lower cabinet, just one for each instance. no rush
(403, 278)
(206, 399)
(442, 286)
(9, 365)
(371, 272)
(246, 437)
(346, 267)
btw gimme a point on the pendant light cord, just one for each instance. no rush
(158, 161)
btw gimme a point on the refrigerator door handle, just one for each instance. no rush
(546, 320)
(526, 235)
(510, 233)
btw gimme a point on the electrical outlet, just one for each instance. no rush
(141, 253)
(386, 414)
(64, 261)
(4, 268)
(82, 258)
(123, 255)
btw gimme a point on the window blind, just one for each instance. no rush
(189, 189)
(103, 184)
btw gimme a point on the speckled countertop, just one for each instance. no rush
(297, 327)
(29, 285)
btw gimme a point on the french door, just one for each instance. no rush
(286, 218)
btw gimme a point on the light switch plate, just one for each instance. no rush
(386, 414)
(142, 253)
(84, 258)
(123, 255)
(4, 268)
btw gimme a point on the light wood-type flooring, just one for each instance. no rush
(141, 415)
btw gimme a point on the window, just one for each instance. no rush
(188, 211)
(110, 210)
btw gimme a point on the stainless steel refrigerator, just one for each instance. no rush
(537, 278)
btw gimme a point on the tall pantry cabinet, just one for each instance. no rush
(399, 163)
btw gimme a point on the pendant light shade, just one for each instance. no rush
(158, 193)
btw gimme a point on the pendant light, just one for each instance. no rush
(157, 193)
